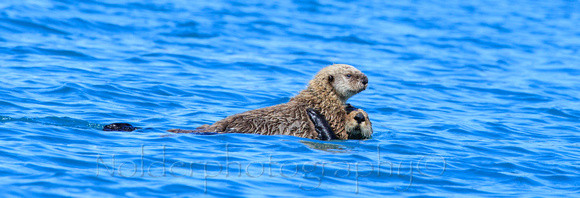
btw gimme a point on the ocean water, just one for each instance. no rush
(467, 98)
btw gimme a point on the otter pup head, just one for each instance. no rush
(358, 126)
(345, 80)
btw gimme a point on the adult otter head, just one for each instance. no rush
(344, 80)
(358, 126)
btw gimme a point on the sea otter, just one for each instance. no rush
(358, 125)
(327, 93)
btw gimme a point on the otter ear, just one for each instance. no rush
(330, 78)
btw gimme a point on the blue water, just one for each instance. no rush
(467, 98)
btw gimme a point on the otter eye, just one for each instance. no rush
(348, 76)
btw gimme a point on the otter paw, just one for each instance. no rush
(321, 125)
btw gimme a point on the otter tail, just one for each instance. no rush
(129, 127)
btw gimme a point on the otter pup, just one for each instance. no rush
(327, 93)
(358, 125)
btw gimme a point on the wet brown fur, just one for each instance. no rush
(354, 129)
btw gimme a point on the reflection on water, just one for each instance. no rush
(330, 147)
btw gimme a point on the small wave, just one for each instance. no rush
(54, 121)
(21, 26)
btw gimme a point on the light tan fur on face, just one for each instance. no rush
(344, 87)
(356, 130)
(324, 93)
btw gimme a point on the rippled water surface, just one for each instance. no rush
(466, 97)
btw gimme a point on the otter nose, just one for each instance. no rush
(365, 80)
(359, 118)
